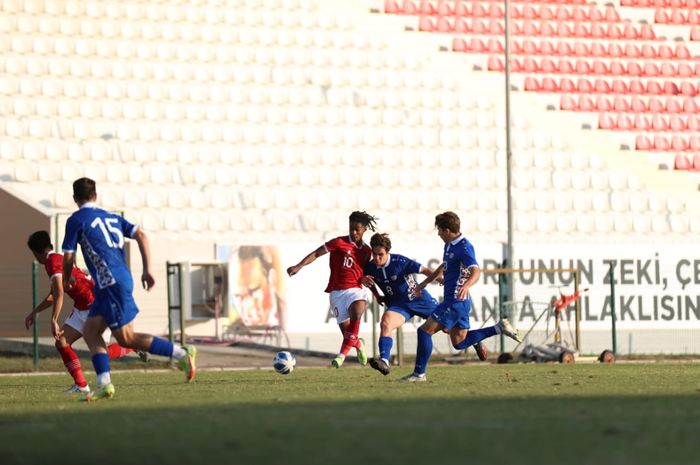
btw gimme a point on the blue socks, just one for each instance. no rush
(474, 336)
(385, 343)
(101, 363)
(425, 349)
(161, 347)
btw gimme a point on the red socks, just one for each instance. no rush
(350, 339)
(72, 363)
(117, 351)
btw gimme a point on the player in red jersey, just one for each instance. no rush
(348, 298)
(82, 293)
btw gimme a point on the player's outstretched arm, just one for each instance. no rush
(68, 261)
(43, 305)
(432, 277)
(292, 270)
(147, 280)
(473, 278)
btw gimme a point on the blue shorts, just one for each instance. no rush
(116, 305)
(421, 308)
(453, 314)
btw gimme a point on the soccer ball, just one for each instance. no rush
(284, 362)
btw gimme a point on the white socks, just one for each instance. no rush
(178, 352)
(103, 379)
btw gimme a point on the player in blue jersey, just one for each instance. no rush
(395, 274)
(460, 272)
(101, 237)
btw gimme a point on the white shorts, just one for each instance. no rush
(77, 319)
(341, 301)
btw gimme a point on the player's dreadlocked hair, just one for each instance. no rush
(365, 219)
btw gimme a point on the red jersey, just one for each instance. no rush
(347, 262)
(82, 291)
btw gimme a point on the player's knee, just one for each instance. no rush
(124, 340)
(385, 328)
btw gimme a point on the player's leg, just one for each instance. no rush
(126, 337)
(349, 305)
(69, 357)
(424, 349)
(391, 319)
(92, 333)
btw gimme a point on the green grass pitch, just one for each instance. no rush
(486, 414)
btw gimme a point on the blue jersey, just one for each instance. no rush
(396, 278)
(458, 258)
(101, 237)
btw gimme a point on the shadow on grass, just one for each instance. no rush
(537, 430)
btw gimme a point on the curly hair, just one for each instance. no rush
(364, 218)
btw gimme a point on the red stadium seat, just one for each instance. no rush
(617, 68)
(445, 25)
(583, 67)
(602, 86)
(462, 26)
(623, 122)
(619, 87)
(606, 121)
(409, 8)
(548, 66)
(621, 104)
(527, 47)
(661, 144)
(674, 106)
(427, 8)
(392, 7)
(651, 69)
(641, 122)
(445, 8)
(677, 124)
(516, 65)
(656, 106)
(585, 103)
(695, 33)
(603, 103)
(459, 45)
(661, 16)
(654, 88)
(478, 10)
(665, 52)
(496, 10)
(463, 9)
(532, 84)
(611, 14)
(565, 66)
(478, 26)
(494, 46)
(568, 102)
(581, 49)
(495, 64)
(546, 13)
(426, 24)
(600, 68)
(668, 70)
(690, 105)
(636, 87)
(679, 17)
(632, 51)
(646, 32)
(611, 31)
(584, 86)
(681, 162)
(648, 51)
(581, 30)
(567, 85)
(496, 27)
(529, 12)
(598, 50)
(694, 146)
(634, 69)
(687, 88)
(696, 157)
(670, 88)
(659, 123)
(476, 45)
(679, 144)
(642, 143)
(693, 123)
(547, 48)
(595, 15)
(682, 52)
(638, 105)
(564, 49)
(615, 50)
(547, 29)
(549, 85)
